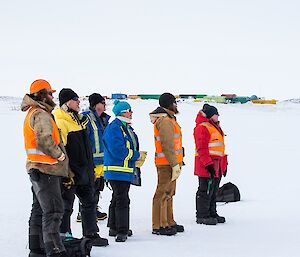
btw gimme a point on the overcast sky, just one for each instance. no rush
(151, 46)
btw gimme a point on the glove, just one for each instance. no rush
(211, 170)
(176, 170)
(68, 183)
(62, 157)
(225, 173)
(140, 161)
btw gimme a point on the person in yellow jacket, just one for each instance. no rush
(168, 161)
(46, 163)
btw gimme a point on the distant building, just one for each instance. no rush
(118, 96)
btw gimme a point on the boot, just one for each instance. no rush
(167, 231)
(220, 219)
(178, 228)
(61, 254)
(121, 237)
(100, 215)
(207, 221)
(113, 232)
(97, 240)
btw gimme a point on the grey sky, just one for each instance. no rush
(137, 46)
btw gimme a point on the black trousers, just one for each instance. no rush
(119, 207)
(85, 194)
(46, 214)
(206, 197)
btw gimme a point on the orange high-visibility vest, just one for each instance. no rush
(34, 154)
(160, 158)
(216, 144)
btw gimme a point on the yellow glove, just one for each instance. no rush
(140, 161)
(99, 171)
(176, 170)
(69, 183)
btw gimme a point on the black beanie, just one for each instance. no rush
(209, 110)
(166, 99)
(94, 99)
(65, 95)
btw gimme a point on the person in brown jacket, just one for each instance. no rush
(46, 163)
(168, 161)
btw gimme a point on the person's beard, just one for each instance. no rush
(174, 109)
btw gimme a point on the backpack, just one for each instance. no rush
(228, 193)
(78, 247)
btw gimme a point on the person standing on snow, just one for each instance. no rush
(97, 122)
(46, 163)
(75, 139)
(168, 161)
(210, 164)
(121, 157)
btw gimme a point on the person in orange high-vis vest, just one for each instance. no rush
(168, 161)
(210, 164)
(46, 164)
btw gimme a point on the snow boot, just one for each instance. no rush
(61, 254)
(97, 240)
(101, 215)
(207, 221)
(113, 232)
(220, 219)
(121, 237)
(167, 231)
(178, 228)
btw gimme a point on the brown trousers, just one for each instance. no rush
(162, 206)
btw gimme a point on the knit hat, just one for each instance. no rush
(120, 107)
(166, 99)
(95, 98)
(65, 95)
(209, 110)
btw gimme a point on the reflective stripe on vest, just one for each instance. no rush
(214, 148)
(96, 138)
(118, 168)
(130, 151)
(34, 154)
(160, 158)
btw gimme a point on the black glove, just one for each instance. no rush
(211, 170)
(225, 173)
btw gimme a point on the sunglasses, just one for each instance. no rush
(75, 98)
(50, 93)
(128, 110)
(104, 103)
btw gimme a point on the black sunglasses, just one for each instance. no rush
(50, 93)
(75, 98)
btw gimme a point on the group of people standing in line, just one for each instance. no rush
(72, 154)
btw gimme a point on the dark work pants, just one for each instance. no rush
(46, 214)
(206, 197)
(119, 207)
(98, 187)
(86, 197)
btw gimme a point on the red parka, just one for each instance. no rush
(202, 157)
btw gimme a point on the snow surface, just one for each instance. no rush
(263, 147)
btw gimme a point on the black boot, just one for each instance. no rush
(61, 254)
(97, 240)
(167, 231)
(121, 237)
(220, 219)
(207, 221)
(179, 228)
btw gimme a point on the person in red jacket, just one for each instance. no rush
(210, 164)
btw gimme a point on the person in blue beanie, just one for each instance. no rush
(121, 157)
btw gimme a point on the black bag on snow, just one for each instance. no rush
(78, 247)
(228, 193)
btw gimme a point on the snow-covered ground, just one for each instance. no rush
(263, 147)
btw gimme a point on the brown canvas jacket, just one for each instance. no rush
(40, 121)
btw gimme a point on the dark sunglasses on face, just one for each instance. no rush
(128, 110)
(50, 93)
(75, 98)
(104, 103)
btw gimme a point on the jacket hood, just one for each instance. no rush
(201, 117)
(28, 102)
(160, 112)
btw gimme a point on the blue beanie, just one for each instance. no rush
(120, 106)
